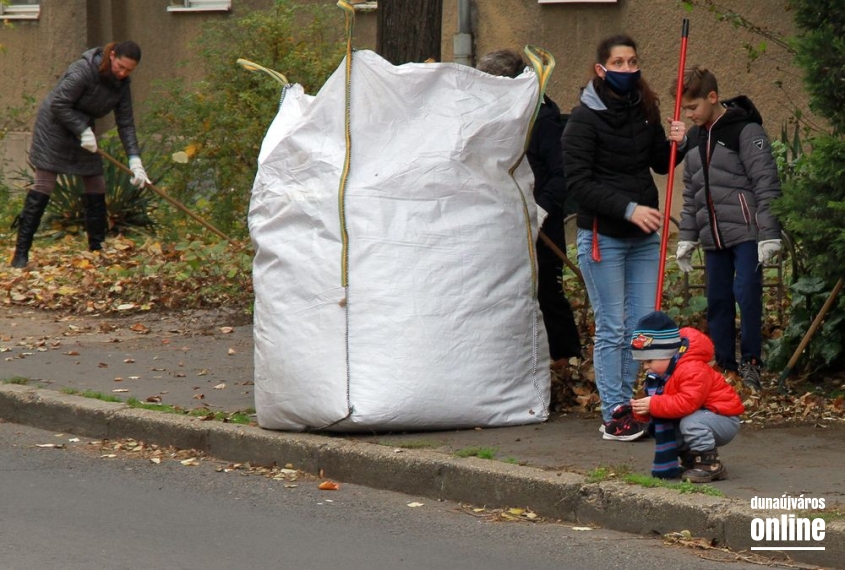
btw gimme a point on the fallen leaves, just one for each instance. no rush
(328, 486)
(573, 389)
(503, 515)
(131, 277)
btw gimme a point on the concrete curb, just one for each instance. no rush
(551, 494)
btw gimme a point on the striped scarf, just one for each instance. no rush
(665, 464)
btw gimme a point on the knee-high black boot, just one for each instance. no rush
(27, 224)
(96, 220)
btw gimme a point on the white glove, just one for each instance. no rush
(766, 249)
(139, 175)
(684, 255)
(88, 141)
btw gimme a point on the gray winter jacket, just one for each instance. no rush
(81, 96)
(730, 202)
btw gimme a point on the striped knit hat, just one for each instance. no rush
(656, 337)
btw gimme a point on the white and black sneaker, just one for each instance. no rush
(625, 428)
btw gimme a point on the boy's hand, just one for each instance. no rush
(642, 406)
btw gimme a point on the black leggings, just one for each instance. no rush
(45, 182)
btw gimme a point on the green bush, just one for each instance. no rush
(220, 122)
(820, 51)
(812, 207)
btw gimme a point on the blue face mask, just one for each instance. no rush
(620, 81)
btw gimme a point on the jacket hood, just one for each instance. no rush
(741, 109)
(93, 56)
(590, 98)
(700, 345)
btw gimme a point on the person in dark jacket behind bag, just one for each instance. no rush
(612, 141)
(64, 140)
(545, 157)
(729, 185)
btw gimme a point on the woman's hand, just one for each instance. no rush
(647, 219)
(677, 131)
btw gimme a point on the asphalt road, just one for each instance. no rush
(84, 505)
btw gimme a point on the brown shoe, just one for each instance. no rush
(707, 467)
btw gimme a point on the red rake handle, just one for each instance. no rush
(670, 181)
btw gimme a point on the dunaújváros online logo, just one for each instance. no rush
(788, 530)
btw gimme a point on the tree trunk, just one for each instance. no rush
(409, 30)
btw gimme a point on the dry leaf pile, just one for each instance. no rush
(125, 277)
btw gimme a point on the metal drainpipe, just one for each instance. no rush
(462, 41)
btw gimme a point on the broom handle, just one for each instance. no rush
(563, 257)
(164, 195)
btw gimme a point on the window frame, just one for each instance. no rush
(200, 6)
(17, 11)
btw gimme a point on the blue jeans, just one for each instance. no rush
(622, 288)
(734, 276)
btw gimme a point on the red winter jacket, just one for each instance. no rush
(695, 384)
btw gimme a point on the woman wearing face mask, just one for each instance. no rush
(64, 141)
(612, 141)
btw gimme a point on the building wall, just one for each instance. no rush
(38, 52)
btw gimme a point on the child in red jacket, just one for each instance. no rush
(692, 407)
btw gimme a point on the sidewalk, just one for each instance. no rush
(205, 359)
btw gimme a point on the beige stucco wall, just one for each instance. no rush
(38, 52)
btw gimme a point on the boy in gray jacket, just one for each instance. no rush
(730, 180)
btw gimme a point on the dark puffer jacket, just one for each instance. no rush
(81, 96)
(734, 207)
(608, 149)
(546, 160)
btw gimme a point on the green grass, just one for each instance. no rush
(16, 380)
(482, 452)
(625, 473)
(92, 394)
(606, 473)
(240, 417)
(682, 487)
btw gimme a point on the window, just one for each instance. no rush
(20, 10)
(199, 6)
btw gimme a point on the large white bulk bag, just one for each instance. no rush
(394, 275)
